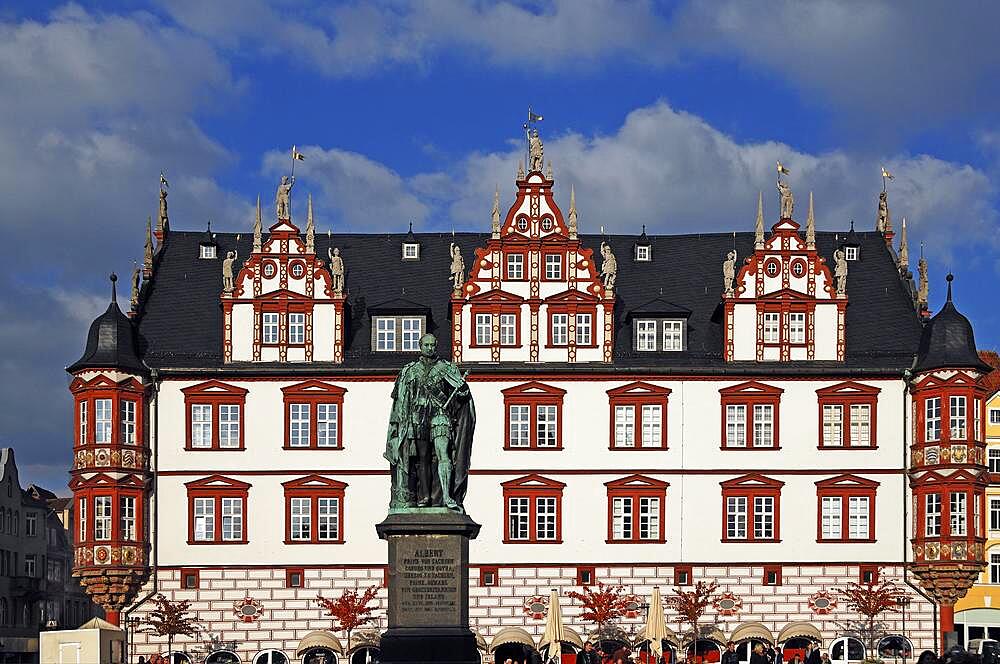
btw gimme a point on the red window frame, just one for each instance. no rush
(768, 571)
(845, 395)
(532, 487)
(544, 262)
(313, 392)
(483, 571)
(214, 393)
(314, 487)
(752, 486)
(680, 571)
(639, 394)
(636, 487)
(491, 309)
(103, 485)
(217, 487)
(102, 387)
(533, 394)
(866, 570)
(961, 481)
(571, 312)
(289, 572)
(582, 572)
(283, 308)
(524, 265)
(190, 572)
(750, 394)
(845, 487)
(958, 385)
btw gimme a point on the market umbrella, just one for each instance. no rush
(553, 629)
(656, 624)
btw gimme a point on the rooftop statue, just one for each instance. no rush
(457, 268)
(609, 268)
(429, 442)
(336, 270)
(882, 223)
(729, 271)
(281, 198)
(787, 200)
(228, 277)
(536, 159)
(840, 271)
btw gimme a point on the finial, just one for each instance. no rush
(573, 227)
(147, 256)
(950, 278)
(904, 250)
(257, 228)
(114, 292)
(520, 170)
(209, 225)
(495, 215)
(852, 225)
(758, 236)
(811, 225)
(644, 229)
(548, 171)
(310, 228)
(411, 227)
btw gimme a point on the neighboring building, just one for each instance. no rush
(975, 615)
(783, 429)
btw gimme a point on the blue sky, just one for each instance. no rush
(669, 115)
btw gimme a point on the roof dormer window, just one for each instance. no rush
(653, 334)
(643, 253)
(207, 251)
(411, 251)
(851, 253)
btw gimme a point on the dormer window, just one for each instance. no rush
(207, 251)
(411, 251)
(397, 333)
(643, 253)
(851, 253)
(653, 334)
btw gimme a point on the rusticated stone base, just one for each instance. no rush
(948, 582)
(112, 589)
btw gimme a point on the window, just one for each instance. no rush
(30, 565)
(673, 335)
(214, 416)
(750, 400)
(772, 575)
(932, 418)
(796, 328)
(216, 509)
(532, 506)
(484, 329)
(638, 416)
(411, 251)
(553, 267)
(586, 576)
(102, 421)
(847, 415)
(957, 417)
(977, 423)
(515, 267)
(82, 519)
(190, 579)
(994, 513)
(995, 568)
(636, 509)
(102, 518)
(489, 576)
(313, 415)
(126, 510)
(83, 422)
(751, 509)
(994, 415)
(314, 510)
(772, 328)
(851, 253)
(659, 334)
(932, 514)
(397, 333)
(584, 330)
(207, 251)
(868, 574)
(846, 509)
(30, 524)
(993, 453)
(534, 416)
(508, 330)
(959, 513)
(269, 328)
(643, 253)
(127, 414)
(559, 329)
(683, 575)
(295, 577)
(296, 328)
(645, 335)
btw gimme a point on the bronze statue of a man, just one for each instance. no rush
(429, 441)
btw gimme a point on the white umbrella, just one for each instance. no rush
(553, 629)
(656, 624)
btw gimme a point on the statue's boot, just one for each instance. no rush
(401, 496)
(424, 475)
(444, 476)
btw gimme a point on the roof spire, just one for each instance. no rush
(758, 235)
(520, 170)
(147, 256)
(811, 225)
(950, 278)
(162, 221)
(310, 228)
(904, 250)
(572, 212)
(923, 286)
(257, 242)
(495, 215)
(114, 291)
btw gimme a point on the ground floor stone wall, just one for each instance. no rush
(285, 615)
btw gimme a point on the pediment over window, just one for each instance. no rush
(639, 389)
(217, 482)
(283, 295)
(572, 296)
(314, 387)
(314, 482)
(752, 481)
(960, 475)
(105, 480)
(951, 379)
(103, 382)
(658, 308)
(848, 389)
(214, 388)
(751, 388)
(533, 481)
(399, 307)
(284, 226)
(637, 482)
(533, 389)
(496, 297)
(847, 482)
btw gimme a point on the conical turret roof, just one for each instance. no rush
(948, 341)
(110, 342)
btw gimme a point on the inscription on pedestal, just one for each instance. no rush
(427, 584)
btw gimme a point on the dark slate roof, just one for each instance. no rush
(110, 342)
(948, 341)
(180, 320)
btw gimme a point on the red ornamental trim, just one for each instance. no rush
(728, 604)
(822, 603)
(632, 603)
(536, 607)
(248, 609)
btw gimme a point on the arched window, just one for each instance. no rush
(270, 657)
(704, 651)
(895, 646)
(847, 650)
(178, 658)
(369, 655)
(223, 657)
(319, 656)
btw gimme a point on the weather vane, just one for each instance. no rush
(886, 175)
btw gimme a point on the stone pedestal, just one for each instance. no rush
(428, 588)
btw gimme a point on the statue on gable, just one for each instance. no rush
(136, 275)
(882, 223)
(282, 205)
(729, 271)
(536, 158)
(609, 267)
(429, 442)
(840, 271)
(228, 276)
(336, 270)
(457, 268)
(787, 200)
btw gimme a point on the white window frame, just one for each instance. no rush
(299, 424)
(270, 328)
(994, 415)
(932, 419)
(833, 425)
(796, 327)
(560, 329)
(994, 513)
(958, 513)
(397, 333)
(229, 426)
(645, 335)
(958, 419)
(625, 425)
(515, 267)
(858, 508)
(546, 518)
(328, 518)
(643, 253)
(508, 329)
(103, 421)
(736, 517)
(484, 329)
(83, 422)
(411, 328)
(83, 519)
(300, 516)
(327, 421)
(203, 512)
(547, 425)
(518, 518)
(584, 329)
(385, 333)
(30, 565)
(207, 251)
(30, 524)
(102, 518)
(519, 435)
(736, 425)
(296, 328)
(831, 510)
(553, 268)
(851, 253)
(993, 459)
(651, 420)
(126, 408)
(763, 425)
(932, 514)
(201, 425)
(411, 251)
(126, 506)
(672, 335)
(764, 517)
(232, 519)
(995, 568)
(649, 518)
(861, 425)
(771, 327)
(622, 517)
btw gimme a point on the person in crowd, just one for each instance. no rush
(730, 656)
(812, 654)
(758, 656)
(796, 659)
(588, 655)
(824, 658)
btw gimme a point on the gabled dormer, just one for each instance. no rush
(410, 247)
(533, 292)
(207, 246)
(784, 304)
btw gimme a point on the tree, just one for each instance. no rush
(350, 610)
(690, 605)
(604, 606)
(870, 600)
(170, 619)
